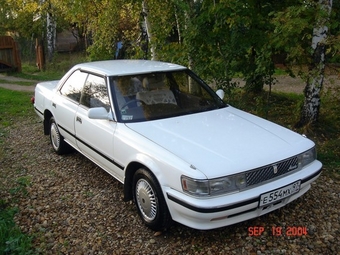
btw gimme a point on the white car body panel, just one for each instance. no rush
(43, 95)
(226, 138)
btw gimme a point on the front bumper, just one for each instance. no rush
(210, 213)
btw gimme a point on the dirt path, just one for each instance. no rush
(296, 85)
(11, 85)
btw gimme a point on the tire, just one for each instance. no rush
(57, 140)
(149, 200)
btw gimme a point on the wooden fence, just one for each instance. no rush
(9, 54)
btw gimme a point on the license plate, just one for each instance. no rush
(279, 194)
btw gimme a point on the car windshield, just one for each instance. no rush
(161, 95)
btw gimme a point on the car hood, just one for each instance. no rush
(224, 141)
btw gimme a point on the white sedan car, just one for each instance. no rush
(181, 152)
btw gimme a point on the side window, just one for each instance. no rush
(73, 86)
(94, 93)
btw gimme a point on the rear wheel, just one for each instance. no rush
(149, 200)
(57, 140)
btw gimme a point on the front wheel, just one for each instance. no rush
(57, 140)
(149, 200)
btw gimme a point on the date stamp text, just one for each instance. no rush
(278, 231)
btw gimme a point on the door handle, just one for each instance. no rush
(54, 105)
(79, 119)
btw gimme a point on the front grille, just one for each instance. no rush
(265, 173)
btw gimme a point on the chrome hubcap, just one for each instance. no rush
(55, 137)
(146, 200)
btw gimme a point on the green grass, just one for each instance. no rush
(13, 104)
(327, 131)
(31, 72)
(54, 70)
(12, 240)
(22, 182)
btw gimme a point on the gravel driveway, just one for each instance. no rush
(73, 207)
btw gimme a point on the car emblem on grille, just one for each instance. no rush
(292, 167)
(275, 169)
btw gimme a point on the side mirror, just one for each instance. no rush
(99, 113)
(220, 93)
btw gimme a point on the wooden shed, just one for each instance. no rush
(9, 54)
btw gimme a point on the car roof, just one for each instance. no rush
(127, 67)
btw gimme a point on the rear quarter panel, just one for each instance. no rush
(43, 95)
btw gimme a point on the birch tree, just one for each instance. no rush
(51, 33)
(311, 106)
(302, 33)
(147, 23)
(161, 22)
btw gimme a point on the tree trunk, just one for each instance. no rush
(51, 35)
(148, 29)
(311, 106)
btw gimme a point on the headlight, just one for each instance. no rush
(307, 157)
(202, 188)
(195, 187)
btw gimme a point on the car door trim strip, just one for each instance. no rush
(212, 210)
(93, 149)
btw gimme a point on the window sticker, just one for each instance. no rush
(127, 117)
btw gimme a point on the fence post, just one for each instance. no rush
(40, 57)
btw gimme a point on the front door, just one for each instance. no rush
(95, 138)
